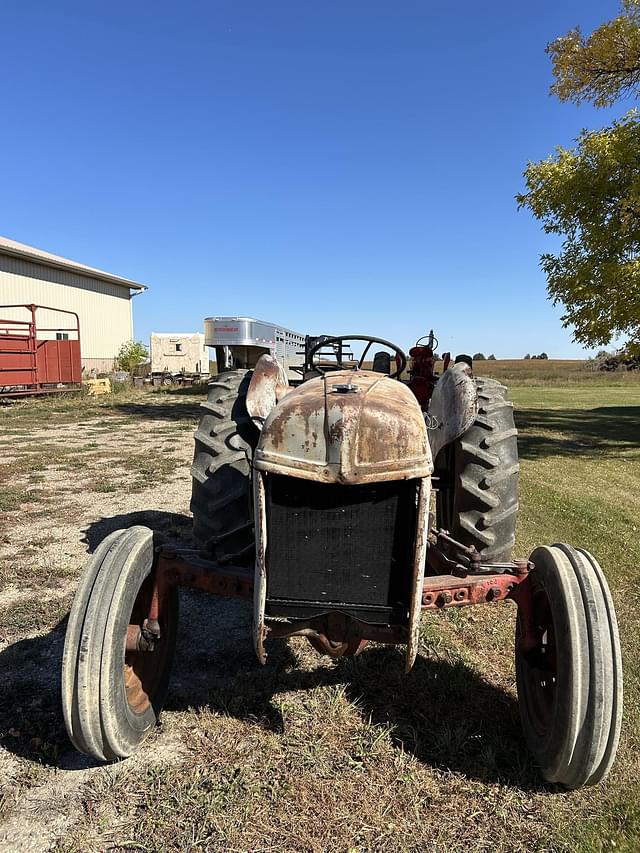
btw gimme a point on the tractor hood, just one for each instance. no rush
(346, 427)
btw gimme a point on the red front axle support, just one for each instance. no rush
(187, 568)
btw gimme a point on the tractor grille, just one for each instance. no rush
(333, 545)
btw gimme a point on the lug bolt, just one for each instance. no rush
(459, 595)
(493, 593)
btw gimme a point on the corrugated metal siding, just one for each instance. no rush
(105, 310)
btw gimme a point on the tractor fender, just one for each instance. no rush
(268, 385)
(453, 407)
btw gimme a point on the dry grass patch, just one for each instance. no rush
(12, 498)
(31, 612)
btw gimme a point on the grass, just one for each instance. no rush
(103, 486)
(532, 372)
(150, 469)
(309, 754)
(19, 417)
(32, 613)
(12, 498)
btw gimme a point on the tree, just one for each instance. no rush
(492, 357)
(543, 356)
(130, 354)
(590, 194)
(527, 357)
(479, 356)
(603, 67)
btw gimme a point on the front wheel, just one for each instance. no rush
(569, 667)
(112, 697)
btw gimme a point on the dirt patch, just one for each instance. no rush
(72, 482)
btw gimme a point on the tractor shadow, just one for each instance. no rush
(167, 527)
(31, 723)
(443, 713)
(589, 432)
(173, 404)
(177, 411)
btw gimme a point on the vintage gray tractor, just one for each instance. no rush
(313, 499)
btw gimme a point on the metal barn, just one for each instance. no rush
(102, 301)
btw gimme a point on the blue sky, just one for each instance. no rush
(335, 167)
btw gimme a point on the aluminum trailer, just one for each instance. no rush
(240, 341)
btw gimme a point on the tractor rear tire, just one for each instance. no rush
(221, 487)
(480, 507)
(111, 698)
(569, 674)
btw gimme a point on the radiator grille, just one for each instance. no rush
(334, 544)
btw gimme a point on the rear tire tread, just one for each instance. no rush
(221, 470)
(485, 501)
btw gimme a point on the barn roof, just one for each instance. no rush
(21, 250)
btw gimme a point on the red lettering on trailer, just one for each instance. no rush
(227, 328)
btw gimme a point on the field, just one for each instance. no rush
(303, 754)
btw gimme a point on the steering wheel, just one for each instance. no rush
(401, 359)
(432, 341)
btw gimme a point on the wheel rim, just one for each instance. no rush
(143, 670)
(540, 669)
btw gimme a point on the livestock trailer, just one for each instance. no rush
(240, 341)
(35, 359)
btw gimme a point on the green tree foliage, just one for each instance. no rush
(590, 194)
(527, 357)
(479, 356)
(491, 357)
(130, 354)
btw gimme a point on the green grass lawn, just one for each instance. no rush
(580, 483)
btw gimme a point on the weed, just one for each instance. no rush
(104, 486)
(12, 498)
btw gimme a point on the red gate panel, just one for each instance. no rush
(29, 364)
(58, 361)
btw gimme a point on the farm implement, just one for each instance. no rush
(343, 506)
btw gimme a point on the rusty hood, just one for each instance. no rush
(346, 427)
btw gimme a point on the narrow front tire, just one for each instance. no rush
(569, 667)
(112, 697)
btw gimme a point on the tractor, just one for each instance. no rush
(344, 504)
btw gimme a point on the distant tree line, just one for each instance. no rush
(543, 356)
